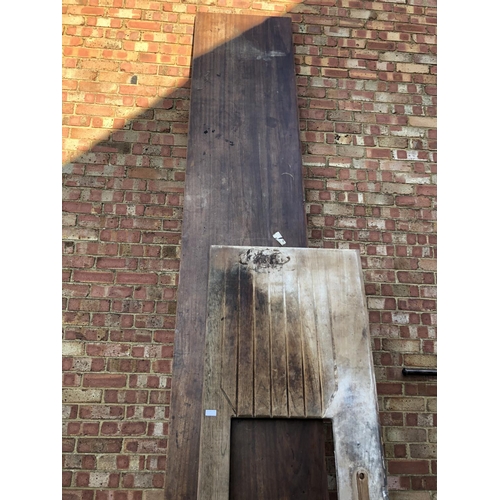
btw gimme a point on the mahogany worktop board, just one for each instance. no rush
(243, 183)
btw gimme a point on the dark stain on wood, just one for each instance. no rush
(263, 260)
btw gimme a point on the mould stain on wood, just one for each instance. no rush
(264, 259)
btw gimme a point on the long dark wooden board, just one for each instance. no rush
(290, 466)
(243, 183)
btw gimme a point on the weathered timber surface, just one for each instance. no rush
(297, 327)
(283, 470)
(362, 485)
(243, 183)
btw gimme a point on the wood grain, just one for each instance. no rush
(278, 347)
(230, 322)
(362, 485)
(246, 346)
(243, 183)
(217, 410)
(294, 470)
(310, 353)
(295, 372)
(262, 361)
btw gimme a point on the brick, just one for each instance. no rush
(100, 412)
(422, 121)
(115, 263)
(406, 435)
(137, 278)
(153, 495)
(88, 305)
(76, 233)
(75, 290)
(405, 404)
(363, 74)
(423, 450)
(73, 348)
(412, 68)
(107, 349)
(420, 361)
(104, 380)
(378, 199)
(143, 25)
(410, 495)
(120, 236)
(76, 318)
(93, 276)
(424, 483)
(408, 467)
(401, 345)
(72, 20)
(81, 395)
(99, 445)
(386, 388)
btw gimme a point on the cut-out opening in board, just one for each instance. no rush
(283, 459)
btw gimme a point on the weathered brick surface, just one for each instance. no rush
(366, 76)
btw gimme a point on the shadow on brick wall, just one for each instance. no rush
(122, 215)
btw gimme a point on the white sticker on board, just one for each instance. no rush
(279, 238)
(210, 413)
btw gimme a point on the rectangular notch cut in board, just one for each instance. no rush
(275, 458)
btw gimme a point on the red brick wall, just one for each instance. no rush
(366, 75)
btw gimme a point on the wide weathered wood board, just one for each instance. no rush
(243, 183)
(296, 324)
